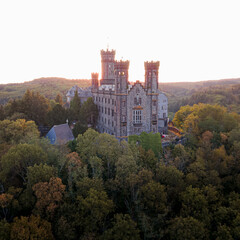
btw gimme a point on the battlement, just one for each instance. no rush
(95, 76)
(121, 65)
(151, 65)
(108, 55)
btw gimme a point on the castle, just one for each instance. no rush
(126, 109)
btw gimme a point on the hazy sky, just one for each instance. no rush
(193, 40)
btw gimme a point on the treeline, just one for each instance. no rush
(48, 87)
(100, 188)
(228, 96)
(45, 112)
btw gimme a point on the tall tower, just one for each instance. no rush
(151, 76)
(151, 84)
(94, 81)
(108, 58)
(121, 87)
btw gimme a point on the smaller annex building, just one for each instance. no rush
(60, 134)
(83, 93)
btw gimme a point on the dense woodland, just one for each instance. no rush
(96, 187)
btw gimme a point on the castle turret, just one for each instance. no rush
(94, 81)
(151, 76)
(121, 87)
(151, 84)
(108, 58)
(121, 76)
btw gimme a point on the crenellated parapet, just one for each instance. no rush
(94, 81)
(95, 76)
(151, 76)
(108, 55)
(121, 65)
(151, 65)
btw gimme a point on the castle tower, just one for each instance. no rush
(94, 81)
(151, 84)
(108, 58)
(121, 87)
(151, 76)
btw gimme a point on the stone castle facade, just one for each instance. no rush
(126, 109)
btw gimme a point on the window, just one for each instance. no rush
(164, 115)
(154, 103)
(105, 110)
(112, 113)
(137, 116)
(108, 111)
(135, 101)
(112, 102)
(105, 100)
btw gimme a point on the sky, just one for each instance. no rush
(193, 40)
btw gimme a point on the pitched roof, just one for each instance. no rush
(63, 133)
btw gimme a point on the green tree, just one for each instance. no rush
(79, 128)
(15, 162)
(5, 229)
(17, 131)
(58, 115)
(35, 106)
(75, 106)
(123, 227)
(89, 112)
(94, 210)
(31, 228)
(187, 228)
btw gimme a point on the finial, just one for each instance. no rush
(107, 43)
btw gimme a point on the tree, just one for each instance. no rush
(39, 173)
(123, 227)
(15, 162)
(79, 128)
(2, 113)
(5, 201)
(59, 99)
(195, 204)
(75, 106)
(32, 227)
(4, 230)
(89, 112)
(57, 115)
(35, 106)
(187, 228)
(153, 197)
(94, 210)
(148, 141)
(49, 196)
(17, 131)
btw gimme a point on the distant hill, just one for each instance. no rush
(225, 92)
(188, 88)
(49, 87)
(179, 93)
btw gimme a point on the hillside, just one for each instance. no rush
(179, 93)
(183, 89)
(224, 92)
(49, 87)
